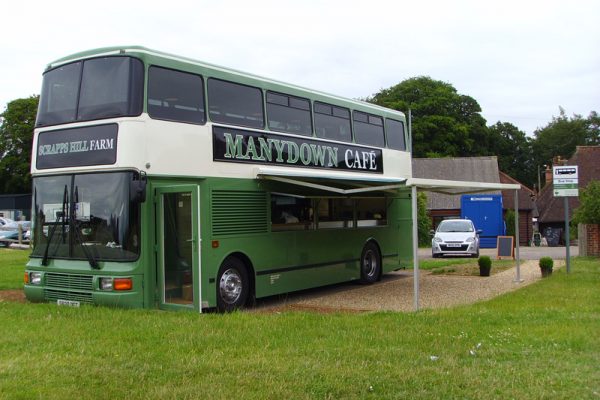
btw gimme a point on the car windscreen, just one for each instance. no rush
(455, 226)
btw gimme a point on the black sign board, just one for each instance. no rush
(76, 147)
(505, 247)
(241, 146)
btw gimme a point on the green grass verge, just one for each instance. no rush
(12, 267)
(538, 342)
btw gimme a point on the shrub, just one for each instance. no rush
(588, 211)
(509, 220)
(484, 262)
(485, 265)
(546, 263)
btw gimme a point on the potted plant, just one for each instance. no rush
(546, 265)
(485, 265)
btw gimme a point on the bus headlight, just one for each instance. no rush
(35, 278)
(106, 283)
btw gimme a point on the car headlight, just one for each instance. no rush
(437, 239)
(35, 278)
(469, 240)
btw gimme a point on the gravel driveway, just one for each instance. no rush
(395, 292)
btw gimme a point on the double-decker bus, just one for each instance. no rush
(161, 181)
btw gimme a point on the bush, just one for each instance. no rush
(588, 211)
(509, 220)
(484, 262)
(485, 265)
(546, 263)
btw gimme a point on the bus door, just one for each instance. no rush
(178, 247)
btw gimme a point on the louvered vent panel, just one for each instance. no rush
(238, 212)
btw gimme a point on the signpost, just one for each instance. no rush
(565, 182)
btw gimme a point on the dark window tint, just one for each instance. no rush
(368, 129)
(175, 96)
(395, 134)
(108, 88)
(230, 103)
(332, 122)
(288, 114)
(92, 89)
(58, 102)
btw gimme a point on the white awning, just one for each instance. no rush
(331, 181)
(458, 187)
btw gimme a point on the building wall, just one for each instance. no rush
(589, 239)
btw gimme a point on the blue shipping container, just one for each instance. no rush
(485, 210)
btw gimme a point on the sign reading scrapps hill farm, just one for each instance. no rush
(236, 145)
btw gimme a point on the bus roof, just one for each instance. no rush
(143, 52)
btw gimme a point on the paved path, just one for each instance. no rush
(395, 292)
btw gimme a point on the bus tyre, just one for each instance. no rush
(370, 264)
(233, 285)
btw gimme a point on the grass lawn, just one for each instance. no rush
(463, 266)
(538, 342)
(12, 267)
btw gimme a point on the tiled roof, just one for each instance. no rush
(526, 195)
(474, 169)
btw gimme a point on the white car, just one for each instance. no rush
(455, 237)
(8, 224)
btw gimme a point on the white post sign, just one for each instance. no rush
(565, 181)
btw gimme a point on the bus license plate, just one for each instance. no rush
(68, 303)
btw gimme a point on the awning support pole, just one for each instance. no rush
(415, 235)
(518, 259)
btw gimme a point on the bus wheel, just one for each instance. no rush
(233, 285)
(370, 264)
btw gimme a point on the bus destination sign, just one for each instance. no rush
(76, 147)
(241, 146)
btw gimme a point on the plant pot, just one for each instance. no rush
(484, 271)
(546, 272)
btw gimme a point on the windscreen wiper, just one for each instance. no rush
(59, 216)
(76, 227)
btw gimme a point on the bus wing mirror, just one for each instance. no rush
(137, 192)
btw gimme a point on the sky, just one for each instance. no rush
(521, 60)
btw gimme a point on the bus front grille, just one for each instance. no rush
(69, 281)
(54, 295)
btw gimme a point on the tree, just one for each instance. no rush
(588, 211)
(562, 135)
(445, 123)
(16, 139)
(514, 150)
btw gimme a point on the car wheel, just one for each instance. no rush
(370, 264)
(233, 285)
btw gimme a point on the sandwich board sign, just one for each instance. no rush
(565, 181)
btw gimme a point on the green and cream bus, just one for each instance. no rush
(161, 181)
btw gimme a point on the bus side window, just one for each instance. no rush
(332, 122)
(395, 134)
(291, 213)
(288, 114)
(368, 129)
(236, 104)
(175, 96)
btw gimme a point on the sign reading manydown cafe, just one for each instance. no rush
(241, 146)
